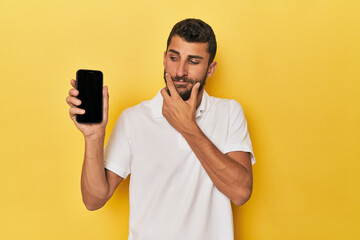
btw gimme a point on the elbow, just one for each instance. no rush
(243, 191)
(241, 199)
(94, 198)
(92, 206)
(93, 203)
(242, 196)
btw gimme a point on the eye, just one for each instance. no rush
(193, 62)
(172, 58)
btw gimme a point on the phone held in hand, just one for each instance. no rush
(89, 83)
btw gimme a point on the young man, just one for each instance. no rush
(188, 153)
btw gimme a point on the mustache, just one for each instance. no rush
(184, 79)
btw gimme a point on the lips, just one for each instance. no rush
(181, 82)
(181, 85)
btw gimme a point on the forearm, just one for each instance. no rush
(94, 183)
(228, 175)
(231, 173)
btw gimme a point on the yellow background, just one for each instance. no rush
(293, 65)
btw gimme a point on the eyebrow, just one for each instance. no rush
(190, 56)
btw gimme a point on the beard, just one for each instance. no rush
(185, 95)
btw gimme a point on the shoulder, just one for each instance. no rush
(225, 109)
(133, 116)
(230, 105)
(143, 111)
(137, 109)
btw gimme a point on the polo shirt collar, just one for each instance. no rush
(157, 102)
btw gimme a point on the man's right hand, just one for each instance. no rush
(88, 130)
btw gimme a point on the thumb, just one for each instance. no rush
(105, 103)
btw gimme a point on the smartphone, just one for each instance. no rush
(89, 83)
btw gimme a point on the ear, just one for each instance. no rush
(164, 58)
(211, 69)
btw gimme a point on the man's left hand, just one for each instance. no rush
(179, 113)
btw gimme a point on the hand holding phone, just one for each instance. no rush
(75, 110)
(89, 83)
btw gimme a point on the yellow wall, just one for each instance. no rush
(293, 65)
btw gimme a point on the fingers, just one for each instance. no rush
(73, 83)
(194, 94)
(73, 101)
(164, 93)
(73, 111)
(171, 86)
(73, 92)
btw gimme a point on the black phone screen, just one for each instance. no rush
(89, 83)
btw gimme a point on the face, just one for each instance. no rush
(187, 64)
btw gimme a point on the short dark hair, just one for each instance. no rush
(195, 30)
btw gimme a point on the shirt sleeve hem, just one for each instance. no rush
(116, 169)
(234, 148)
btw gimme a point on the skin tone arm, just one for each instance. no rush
(97, 183)
(231, 173)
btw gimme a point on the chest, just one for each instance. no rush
(159, 146)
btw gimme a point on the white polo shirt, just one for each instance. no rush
(171, 195)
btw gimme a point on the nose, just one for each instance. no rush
(181, 69)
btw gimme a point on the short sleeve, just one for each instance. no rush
(117, 154)
(238, 138)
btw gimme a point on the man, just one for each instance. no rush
(188, 154)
